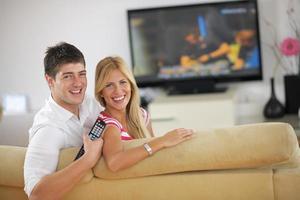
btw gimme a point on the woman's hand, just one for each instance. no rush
(177, 136)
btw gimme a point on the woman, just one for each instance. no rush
(116, 90)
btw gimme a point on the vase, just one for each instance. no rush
(273, 108)
(292, 93)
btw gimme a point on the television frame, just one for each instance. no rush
(204, 83)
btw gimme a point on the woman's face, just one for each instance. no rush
(116, 92)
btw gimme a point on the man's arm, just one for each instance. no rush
(54, 186)
(41, 180)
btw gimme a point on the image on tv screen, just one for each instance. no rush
(193, 41)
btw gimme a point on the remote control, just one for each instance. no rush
(95, 133)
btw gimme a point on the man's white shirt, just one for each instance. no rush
(53, 129)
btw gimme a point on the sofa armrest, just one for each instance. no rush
(246, 146)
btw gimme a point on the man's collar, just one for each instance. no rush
(62, 113)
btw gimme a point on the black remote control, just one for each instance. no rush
(95, 133)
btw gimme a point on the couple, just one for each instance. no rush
(68, 115)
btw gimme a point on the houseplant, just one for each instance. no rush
(290, 49)
(287, 56)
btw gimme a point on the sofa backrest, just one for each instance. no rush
(11, 165)
(271, 145)
(248, 146)
(12, 162)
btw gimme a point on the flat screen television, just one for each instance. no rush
(191, 48)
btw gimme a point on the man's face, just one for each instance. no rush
(191, 38)
(69, 85)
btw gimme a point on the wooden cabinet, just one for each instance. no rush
(199, 111)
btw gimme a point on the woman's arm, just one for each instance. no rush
(117, 158)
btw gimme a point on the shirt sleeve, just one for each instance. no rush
(42, 155)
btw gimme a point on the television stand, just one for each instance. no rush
(196, 111)
(194, 87)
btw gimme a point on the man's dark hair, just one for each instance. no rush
(61, 54)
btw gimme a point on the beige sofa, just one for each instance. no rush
(255, 162)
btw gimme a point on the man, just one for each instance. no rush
(66, 117)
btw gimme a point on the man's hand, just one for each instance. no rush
(93, 150)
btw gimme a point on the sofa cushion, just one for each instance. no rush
(287, 183)
(240, 184)
(245, 146)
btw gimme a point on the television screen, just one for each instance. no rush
(209, 41)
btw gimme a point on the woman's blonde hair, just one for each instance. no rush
(136, 124)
